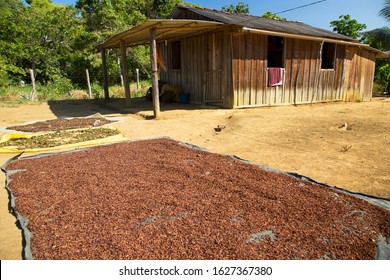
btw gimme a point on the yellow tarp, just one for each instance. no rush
(107, 140)
(13, 136)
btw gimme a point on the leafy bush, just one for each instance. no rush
(58, 88)
(97, 90)
(382, 75)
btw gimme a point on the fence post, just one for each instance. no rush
(88, 84)
(137, 71)
(33, 94)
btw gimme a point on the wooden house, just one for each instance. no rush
(239, 60)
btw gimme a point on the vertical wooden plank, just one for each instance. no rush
(263, 66)
(306, 80)
(105, 76)
(256, 70)
(310, 72)
(153, 64)
(294, 70)
(241, 71)
(249, 59)
(125, 73)
(88, 83)
(246, 62)
(298, 77)
(234, 70)
(303, 81)
(362, 74)
(353, 74)
(371, 74)
(288, 67)
(33, 94)
(316, 91)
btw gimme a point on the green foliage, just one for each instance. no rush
(97, 90)
(192, 4)
(11, 4)
(385, 12)
(380, 38)
(271, 15)
(348, 27)
(40, 37)
(58, 41)
(382, 75)
(241, 8)
(3, 72)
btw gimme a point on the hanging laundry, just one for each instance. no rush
(275, 76)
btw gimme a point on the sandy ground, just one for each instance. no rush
(304, 139)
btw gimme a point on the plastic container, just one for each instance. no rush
(185, 98)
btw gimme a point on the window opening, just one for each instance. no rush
(328, 56)
(275, 51)
(176, 55)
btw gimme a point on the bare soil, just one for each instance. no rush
(308, 140)
(159, 199)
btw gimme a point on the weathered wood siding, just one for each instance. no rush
(359, 79)
(304, 80)
(231, 68)
(205, 67)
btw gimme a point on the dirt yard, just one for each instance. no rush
(340, 144)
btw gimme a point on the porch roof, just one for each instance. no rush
(166, 29)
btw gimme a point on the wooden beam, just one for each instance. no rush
(125, 71)
(105, 77)
(153, 63)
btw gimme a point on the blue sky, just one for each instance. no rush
(318, 15)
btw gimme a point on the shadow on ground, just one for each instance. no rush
(141, 106)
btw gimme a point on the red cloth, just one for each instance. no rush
(275, 76)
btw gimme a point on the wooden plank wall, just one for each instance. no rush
(200, 54)
(249, 69)
(167, 74)
(241, 60)
(304, 80)
(359, 80)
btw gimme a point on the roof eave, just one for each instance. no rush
(379, 54)
(166, 29)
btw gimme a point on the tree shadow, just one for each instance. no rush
(140, 106)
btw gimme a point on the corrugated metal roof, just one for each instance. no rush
(203, 20)
(261, 23)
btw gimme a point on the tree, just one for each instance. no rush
(385, 12)
(240, 8)
(41, 36)
(11, 4)
(380, 38)
(271, 15)
(348, 27)
(186, 3)
(160, 8)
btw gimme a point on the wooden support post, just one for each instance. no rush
(88, 84)
(125, 71)
(120, 70)
(137, 72)
(33, 94)
(153, 63)
(105, 77)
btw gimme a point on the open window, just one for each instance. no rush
(328, 56)
(275, 51)
(176, 55)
